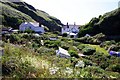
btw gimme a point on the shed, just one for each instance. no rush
(62, 53)
(114, 53)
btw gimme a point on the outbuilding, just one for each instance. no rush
(62, 53)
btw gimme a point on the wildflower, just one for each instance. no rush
(53, 70)
(80, 64)
(68, 70)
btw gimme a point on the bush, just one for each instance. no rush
(115, 68)
(97, 39)
(76, 43)
(88, 50)
(93, 72)
(87, 62)
(73, 53)
(65, 47)
(80, 47)
(71, 36)
(44, 50)
(35, 45)
(14, 38)
(52, 44)
(29, 31)
(104, 65)
(64, 35)
(57, 32)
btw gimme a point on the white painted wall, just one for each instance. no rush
(31, 25)
(71, 29)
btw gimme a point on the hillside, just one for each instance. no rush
(108, 24)
(14, 13)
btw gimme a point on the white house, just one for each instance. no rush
(62, 53)
(31, 25)
(70, 29)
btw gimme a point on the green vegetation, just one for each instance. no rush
(88, 51)
(13, 14)
(26, 57)
(107, 24)
(64, 35)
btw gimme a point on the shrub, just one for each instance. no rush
(87, 62)
(26, 36)
(65, 47)
(104, 65)
(100, 37)
(29, 31)
(44, 50)
(52, 44)
(57, 32)
(64, 35)
(93, 71)
(35, 45)
(75, 43)
(73, 53)
(14, 38)
(88, 50)
(80, 47)
(72, 36)
(115, 68)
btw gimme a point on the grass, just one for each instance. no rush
(99, 49)
(20, 61)
(14, 12)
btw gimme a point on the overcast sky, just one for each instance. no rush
(79, 11)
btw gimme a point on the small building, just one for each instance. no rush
(114, 53)
(5, 30)
(53, 38)
(62, 53)
(87, 35)
(32, 26)
(71, 30)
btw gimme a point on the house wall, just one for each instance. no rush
(39, 29)
(25, 26)
(33, 26)
(71, 29)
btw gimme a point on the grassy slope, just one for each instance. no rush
(25, 63)
(107, 24)
(26, 12)
(99, 49)
(8, 10)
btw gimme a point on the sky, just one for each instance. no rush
(78, 11)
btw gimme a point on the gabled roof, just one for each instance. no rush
(35, 24)
(63, 51)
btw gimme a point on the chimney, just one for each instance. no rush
(67, 25)
(39, 24)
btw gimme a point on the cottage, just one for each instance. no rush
(62, 53)
(32, 26)
(71, 30)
